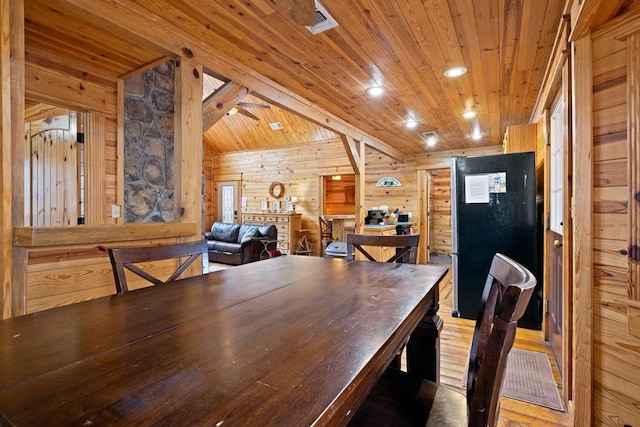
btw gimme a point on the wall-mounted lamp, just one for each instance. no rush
(336, 177)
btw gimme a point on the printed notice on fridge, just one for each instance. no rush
(498, 182)
(476, 188)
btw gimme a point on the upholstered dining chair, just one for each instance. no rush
(406, 244)
(126, 258)
(399, 399)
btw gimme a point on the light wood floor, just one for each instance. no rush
(454, 345)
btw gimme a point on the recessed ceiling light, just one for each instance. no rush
(469, 114)
(275, 125)
(375, 91)
(455, 72)
(411, 124)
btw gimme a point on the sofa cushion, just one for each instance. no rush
(225, 232)
(268, 231)
(226, 247)
(252, 231)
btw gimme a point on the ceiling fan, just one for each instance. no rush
(241, 107)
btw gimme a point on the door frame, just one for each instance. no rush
(237, 204)
(564, 86)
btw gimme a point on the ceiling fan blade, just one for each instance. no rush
(252, 105)
(246, 113)
(302, 12)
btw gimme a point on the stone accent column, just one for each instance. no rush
(149, 145)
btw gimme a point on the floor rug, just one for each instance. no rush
(529, 378)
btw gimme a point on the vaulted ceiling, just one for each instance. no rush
(403, 45)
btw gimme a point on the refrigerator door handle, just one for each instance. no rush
(454, 285)
(454, 237)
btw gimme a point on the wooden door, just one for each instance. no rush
(555, 298)
(54, 171)
(559, 316)
(227, 201)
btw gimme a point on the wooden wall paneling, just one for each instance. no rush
(299, 169)
(361, 190)
(188, 142)
(120, 141)
(69, 196)
(14, 155)
(404, 198)
(95, 173)
(442, 159)
(83, 273)
(210, 194)
(520, 138)
(5, 156)
(112, 176)
(633, 135)
(582, 135)
(440, 212)
(46, 85)
(423, 188)
(340, 195)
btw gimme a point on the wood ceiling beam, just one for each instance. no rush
(131, 18)
(216, 105)
(351, 147)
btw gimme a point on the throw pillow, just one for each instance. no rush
(250, 234)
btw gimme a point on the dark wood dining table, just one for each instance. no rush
(294, 340)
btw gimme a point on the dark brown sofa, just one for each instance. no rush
(237, 244)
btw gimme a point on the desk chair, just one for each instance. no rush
(125, 258)
(406, 243)
(399, 399)
(326, 234)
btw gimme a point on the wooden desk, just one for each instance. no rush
(294, 340)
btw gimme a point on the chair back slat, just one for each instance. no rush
(326, 233)
(507, 291)
(125, 259)
(406, 243)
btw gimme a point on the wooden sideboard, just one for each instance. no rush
(288, 225)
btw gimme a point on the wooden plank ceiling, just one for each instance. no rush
(402, 45)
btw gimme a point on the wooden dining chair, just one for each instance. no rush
(399, 399)
(326, 234)
(405, 244)
(125, 259)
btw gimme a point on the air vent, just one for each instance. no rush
(431, 134)
(323, 21)
(431, 138)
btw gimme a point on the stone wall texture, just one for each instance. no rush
(149, 147)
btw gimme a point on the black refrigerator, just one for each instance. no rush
(493, 209)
